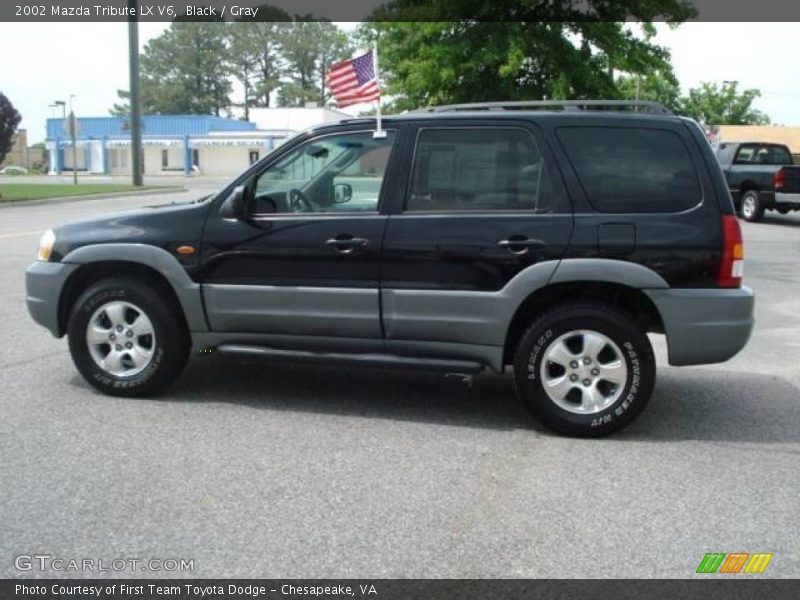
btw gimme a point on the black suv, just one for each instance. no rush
(547, 237)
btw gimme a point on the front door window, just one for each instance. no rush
(335, 173)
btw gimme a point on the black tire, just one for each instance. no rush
(170, 343)
(752, 206)
(633, 346)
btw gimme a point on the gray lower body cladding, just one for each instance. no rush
(704, 326)
(701, 325)
(44, 282)
(348, 312)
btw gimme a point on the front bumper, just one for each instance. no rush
(44, 282)
(704, 326)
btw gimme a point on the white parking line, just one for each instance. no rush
(18, 234)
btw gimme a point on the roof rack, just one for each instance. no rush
(641, 106)
(353, 120)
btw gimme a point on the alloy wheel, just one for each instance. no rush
(748, 206)
(121, 338)
(583, 372)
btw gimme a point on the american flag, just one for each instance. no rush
(353, 81)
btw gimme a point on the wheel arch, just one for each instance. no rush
(629, 299)
(140, 261)
(748, 185)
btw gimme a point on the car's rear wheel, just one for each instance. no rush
(126, 338)
(752, 206)
(584, 369)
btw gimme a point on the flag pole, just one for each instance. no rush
(379, 132)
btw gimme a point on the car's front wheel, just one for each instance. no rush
(584, 369)
(126, 338)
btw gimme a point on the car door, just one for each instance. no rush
(305, 259)
(484, 202)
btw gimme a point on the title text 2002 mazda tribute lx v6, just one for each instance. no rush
(551, 238)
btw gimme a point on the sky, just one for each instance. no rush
(44, 62)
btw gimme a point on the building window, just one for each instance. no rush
(253, 157)
(196, 158)
(171, 159)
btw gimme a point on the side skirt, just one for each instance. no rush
(384, 361)
(435, 356)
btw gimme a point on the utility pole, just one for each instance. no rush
(135, 97)
(73, 126)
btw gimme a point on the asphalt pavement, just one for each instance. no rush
(279, 471)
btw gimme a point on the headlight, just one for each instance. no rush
(46, 245)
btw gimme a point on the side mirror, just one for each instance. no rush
(236, 204)
(342, 192)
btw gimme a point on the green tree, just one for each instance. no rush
(9, 120)
(185, 70)
(255, 51)
(659, 85)
(522, 50)
(309, 47)
(723, 104)
(243, 61)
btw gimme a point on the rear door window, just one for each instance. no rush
(632, 170)
(477, 169)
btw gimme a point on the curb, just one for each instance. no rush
(65, 199)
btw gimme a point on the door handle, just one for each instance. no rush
(346, 244)
(518, 244)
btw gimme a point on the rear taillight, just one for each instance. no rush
(779, 179)
(731, 268)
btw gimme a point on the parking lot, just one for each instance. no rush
(279, 471)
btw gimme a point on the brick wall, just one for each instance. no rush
(18, 153)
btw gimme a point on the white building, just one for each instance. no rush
(294, 120)
(173, 144)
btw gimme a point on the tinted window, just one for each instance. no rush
(476, 169)
(632, 170)
(746, 155)
(773, 155)
(334, 173)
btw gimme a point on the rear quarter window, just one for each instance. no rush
(632, 170)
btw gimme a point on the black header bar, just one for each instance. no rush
(397, 10)
(711, 587)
